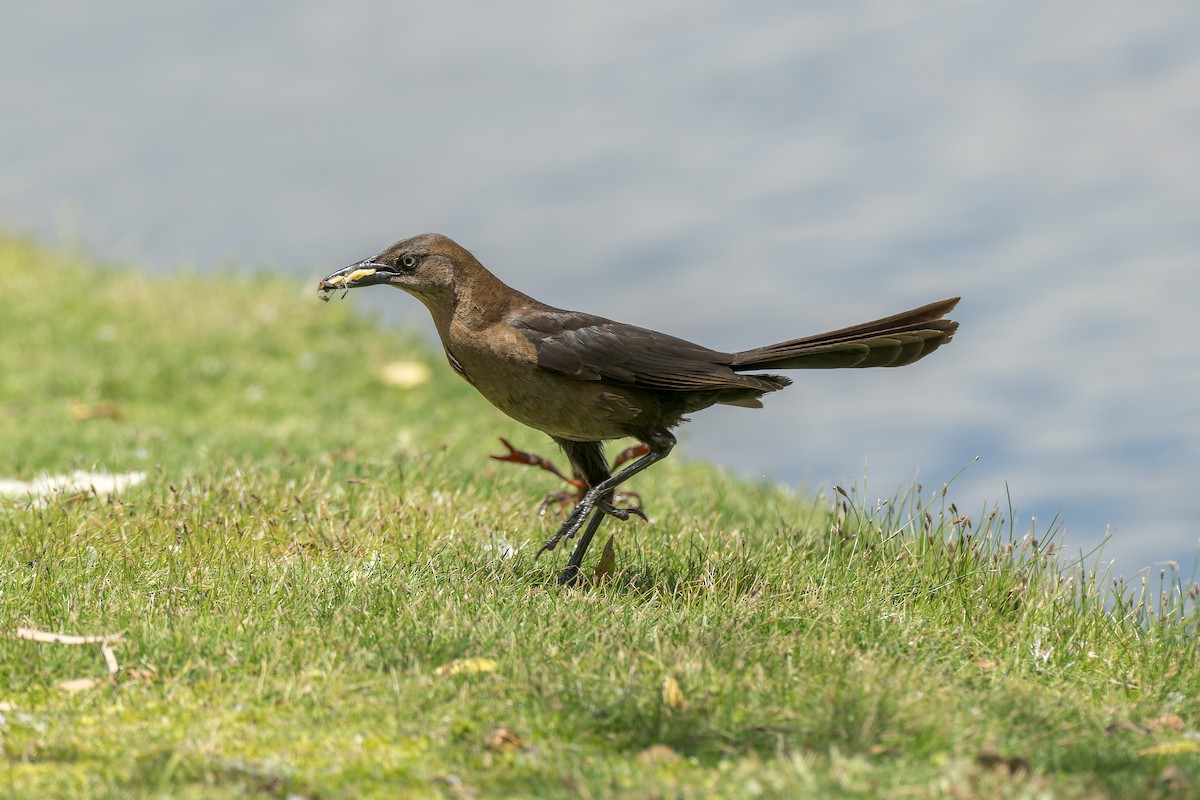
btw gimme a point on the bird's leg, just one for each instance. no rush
(629, 454)
(632, 500)
(598, 498)
(571, 573)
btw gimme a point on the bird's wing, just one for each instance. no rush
(593, 348)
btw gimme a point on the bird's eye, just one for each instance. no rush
(408, 261)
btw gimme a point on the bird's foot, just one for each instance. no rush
(559, 501)
(571, 524)
(570, 576)
(516, 456)
(628, 500)
(591, 500)
(630, 503)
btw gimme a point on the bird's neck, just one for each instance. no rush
(475, 305)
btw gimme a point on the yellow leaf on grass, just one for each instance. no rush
(77, 684)
(657, 754)
(82, 412)
(503, 740)
(1169, 722)
(464, 666)
(1177, 748)
(405, 374)
(672, 694)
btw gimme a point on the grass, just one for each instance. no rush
(327, 590)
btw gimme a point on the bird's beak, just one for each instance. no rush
(364, 273)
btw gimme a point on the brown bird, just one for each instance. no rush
(584, 379)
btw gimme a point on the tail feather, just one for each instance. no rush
(889, 342)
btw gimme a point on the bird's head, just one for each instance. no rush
(429, 266)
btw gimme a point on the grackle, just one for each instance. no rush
(584, 379)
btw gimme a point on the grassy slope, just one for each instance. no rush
(312, 544)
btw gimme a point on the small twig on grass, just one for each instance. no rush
(106, 641)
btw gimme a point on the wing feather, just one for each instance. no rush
(593, 348)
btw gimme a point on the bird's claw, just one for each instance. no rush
(622, 513)
(573, 523)
(557, 499)
(569, 528)
(516, 456)
(565, 498)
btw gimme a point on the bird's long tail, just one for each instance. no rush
(889, 342)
